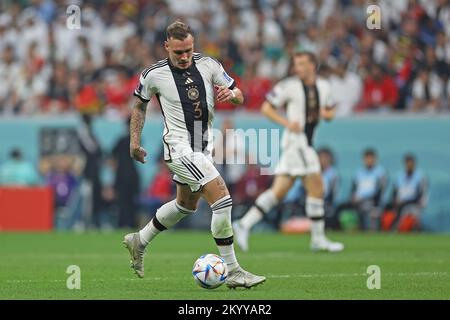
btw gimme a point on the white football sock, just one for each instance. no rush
(227, 253)
(166, 217)
(223, 232)
(263, 204)
(315, 211)
(147, 233)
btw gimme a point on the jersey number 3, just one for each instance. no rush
(197, 110)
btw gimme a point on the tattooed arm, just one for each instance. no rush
(136, 125)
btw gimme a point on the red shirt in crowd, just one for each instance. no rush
(378, 94)
(255, 90)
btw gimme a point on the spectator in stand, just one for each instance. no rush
(58, 95)
(160, 190)
(254, 88)
(118, 90)
(442, 50)
(247, 189)
(255, 35)
(91, 184)
(380, 92)
(62, 179)
(368, 187)
(427, 91)
(345, 89)
(17, 171)
(230, 154)
(228, 106)
(127, 183)
(330, 180)
(409, 195)
(10, 71)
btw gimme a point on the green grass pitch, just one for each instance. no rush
(413, 266)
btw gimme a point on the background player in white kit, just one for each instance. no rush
(307, 98)
(184, 86)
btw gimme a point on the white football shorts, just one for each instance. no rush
(297, 161)
(194, 170)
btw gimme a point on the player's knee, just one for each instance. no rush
(188, 204)
(315, 187)
(316, 193)
(186, 207)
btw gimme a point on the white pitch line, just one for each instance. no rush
(338, 275)
(272, 276)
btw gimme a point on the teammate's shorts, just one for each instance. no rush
(298, 160)
(194, 170)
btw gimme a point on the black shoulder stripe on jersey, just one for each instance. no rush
(146, 70)
(153, 67)
(216, 61)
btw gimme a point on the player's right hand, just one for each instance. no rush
(138, 153)
(294, 126)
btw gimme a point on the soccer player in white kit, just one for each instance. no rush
(184, 85)
(307, 99)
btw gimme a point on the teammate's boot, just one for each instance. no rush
(241, 235)
(137, 250)
(242, 278)
(325, 244)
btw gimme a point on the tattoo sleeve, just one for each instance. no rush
(137, 122)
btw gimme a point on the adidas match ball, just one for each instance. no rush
(210, 271)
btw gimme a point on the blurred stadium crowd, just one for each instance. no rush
(45, 67)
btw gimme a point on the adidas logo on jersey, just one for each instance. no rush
(188, 80)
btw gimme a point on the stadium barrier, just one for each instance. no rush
(26, 209)
(391, 135)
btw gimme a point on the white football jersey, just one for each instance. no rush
(303, 105)
(186, 98)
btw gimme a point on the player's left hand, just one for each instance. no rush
(224, 94)
(138, 153)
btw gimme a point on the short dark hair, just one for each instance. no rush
(311, 56)
(327, 151)
(16, 154)
(178, 30)
(370, 152)
(409, 157)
